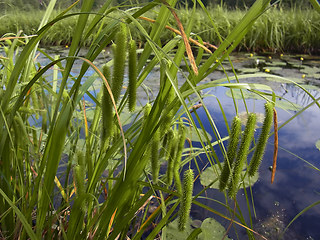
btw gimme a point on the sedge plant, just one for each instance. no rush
(105, 187)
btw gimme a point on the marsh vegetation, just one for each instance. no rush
(83, 157)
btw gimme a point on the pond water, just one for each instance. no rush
(296, 184)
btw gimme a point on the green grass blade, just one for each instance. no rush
(20, 215)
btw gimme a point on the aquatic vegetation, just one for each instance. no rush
(242, 154)
(280, 30)
(261, 145)
(69, 166)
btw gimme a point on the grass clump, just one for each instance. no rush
(280, 30)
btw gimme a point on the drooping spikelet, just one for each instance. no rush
(261, 145)
(185, 199)
(181, 139)
(119, 61)
(79, 174)
(231, 152)
(132, 87)
(107, 110)
(242, 154)
(146, 111)
(155, 163)
(170, 156)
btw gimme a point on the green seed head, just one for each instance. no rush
(132, 87)
(242, 154)
(170, 156)
(186, 199)
(107, 110)
(147, 110)
(262, 142)
(79, 176)
(155, 163)
(231, 152)
(119, 61)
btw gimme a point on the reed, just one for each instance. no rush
(280, 30)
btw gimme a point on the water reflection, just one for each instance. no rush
(296, 184)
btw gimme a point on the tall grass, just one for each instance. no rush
(62, 176)
(280, 30)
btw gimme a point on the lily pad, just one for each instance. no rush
(173, 233)
(211, 229)
(310, 87)
(277, 64)
(318, 144)
(310, 70)
(246, 94)
(272, 68)
(210, 174)
(249, 70)
(275, 79)
(286, 105)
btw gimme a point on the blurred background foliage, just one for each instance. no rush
(9, 5)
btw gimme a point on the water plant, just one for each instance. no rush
(68, 167)
(242, 154)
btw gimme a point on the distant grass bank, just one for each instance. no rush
(278, 30)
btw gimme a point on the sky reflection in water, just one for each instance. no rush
(296, 185)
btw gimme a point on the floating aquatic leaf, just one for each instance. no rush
(273, 68)
(318, 144)
(210, 174)
(281, 80)
(246, 94)
(310, 70)
(310, 87)
(286, 105)
(211, 229)
(277, 64)
(172, 232)
(249, 70)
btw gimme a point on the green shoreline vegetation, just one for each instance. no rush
(294, 30)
